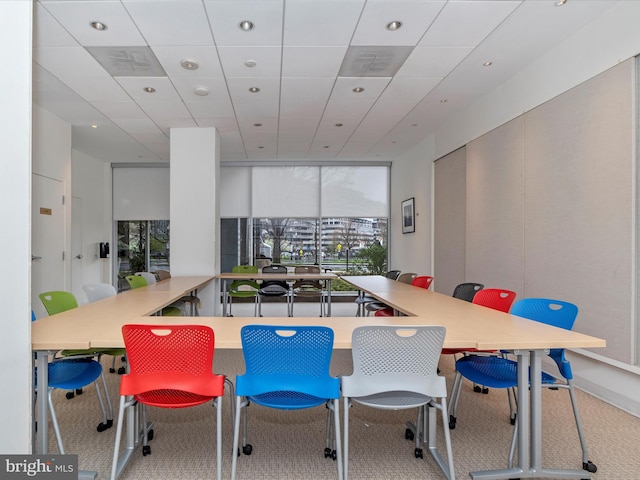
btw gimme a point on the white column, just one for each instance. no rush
(194, 205)
(15, 213)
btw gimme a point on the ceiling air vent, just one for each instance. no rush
(128, 61)
(372, 61)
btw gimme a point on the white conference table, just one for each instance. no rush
(492, 330)
(289, 277)
(98, 325)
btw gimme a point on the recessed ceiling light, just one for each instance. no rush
(260, 146)
(559, 3)
(488, 64)
(149, 89)
(250, 63)
(189, 64)
(94, 126)
(395, 25)
(358, 89)
(98, 26)
(201, 91)
(326, 146)
(414, 124)
(254, 89)
(257, 124)
(338, 125)
(246, 25)
(443, 100)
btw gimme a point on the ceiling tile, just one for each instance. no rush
(171, 22)
(76, 18)
(321, 22)
(225, 18)
(236, 61)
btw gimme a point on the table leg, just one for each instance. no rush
(530, 426)
(329, 298)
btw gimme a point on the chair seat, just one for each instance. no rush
(70, 374)
(494, 372)
(287, 400)
(399, 400)
(169, 398)
(385, 312)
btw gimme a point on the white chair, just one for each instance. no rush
(395, 368)
(95, 292)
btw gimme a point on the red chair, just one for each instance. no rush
(422, 281)
(170, 366)
(498, 299)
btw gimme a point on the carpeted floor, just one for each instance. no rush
(290, 445)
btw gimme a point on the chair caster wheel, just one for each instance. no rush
(150, 435)
(513, 421)
(418, 453)
(477, 389)
(247, 449)
(485, 390)
(327, 452)
(70, 395)
(589, 466)
(104, 426)
(452, 422)
(408, 434)
(334, 455)
(78, 391)
(146, 450)
(112, 370)
(121, 371)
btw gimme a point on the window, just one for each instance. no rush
(143, 246)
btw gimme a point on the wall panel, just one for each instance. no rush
(579, 205)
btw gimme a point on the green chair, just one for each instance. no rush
(244, 288)
(58, 301)
(137, 281)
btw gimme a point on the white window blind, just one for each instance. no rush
(286, 192)
(355, 191)
(235, 192)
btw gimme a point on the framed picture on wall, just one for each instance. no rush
(409, 216)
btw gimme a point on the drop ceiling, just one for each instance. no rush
(314, 80)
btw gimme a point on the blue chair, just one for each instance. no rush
(501, 372)
(72, 374)
(287, 368)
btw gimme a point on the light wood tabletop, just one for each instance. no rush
(99, 324)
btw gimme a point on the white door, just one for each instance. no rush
(77, 249)
(47, 239)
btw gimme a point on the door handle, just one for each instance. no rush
(35, 257)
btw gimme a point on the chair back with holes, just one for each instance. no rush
(58, 301)
(396, 358)
(422, 281)
(308, 287)
(170, 365)
(98, 291)
(136, 281)
(148, 276)
(244, 288)
(274, 287)
(287, 367)
(406, 277)
(495, 298)
(466, 291)
(162, 274)
(551, 312)
(393, 274)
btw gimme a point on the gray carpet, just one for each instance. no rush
(289, 445)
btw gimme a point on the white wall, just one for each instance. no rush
(612, 38)
(411, 177)
(91, 181)
(15, 212)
